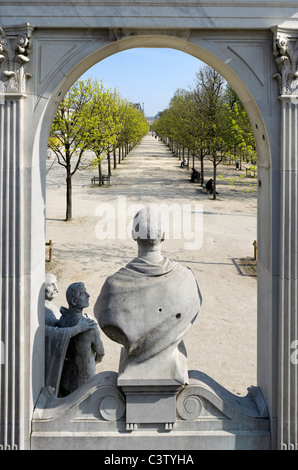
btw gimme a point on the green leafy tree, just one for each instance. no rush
(134, 126)
(211, 86)
(92, 118)
(70, 133)
(196, 129)
(242, 140)
(210, 121)
(104, 124)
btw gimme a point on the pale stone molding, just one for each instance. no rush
(286, 57)
(288, 303)
(97, 416)
(205, 14)
(11, 259)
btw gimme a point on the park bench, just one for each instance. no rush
(204, 189)
(104, 179)
(196, 178)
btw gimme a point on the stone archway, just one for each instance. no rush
(30, 96)
(157, 40)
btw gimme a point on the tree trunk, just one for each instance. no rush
(214, 176)
(109, 162)
(99, 174)
(202, 168)
(68, 195)
(115, 159)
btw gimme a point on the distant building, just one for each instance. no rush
(151, 119)
(139, 106)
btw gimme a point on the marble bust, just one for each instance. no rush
(148, 306)
(84, 350)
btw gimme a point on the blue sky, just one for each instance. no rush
(149, 76)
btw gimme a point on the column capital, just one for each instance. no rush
(285, 51)
(14, 55)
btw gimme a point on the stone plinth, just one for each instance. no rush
(96, 416)
(150, 401)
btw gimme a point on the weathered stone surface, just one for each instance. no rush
(208, 417)
(142, 307)
(85, 349)
(72, 341)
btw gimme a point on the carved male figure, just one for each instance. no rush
(84, 350)
(57, 338)
(148, 306)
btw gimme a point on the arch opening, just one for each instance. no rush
(254, 113)
(58, 88)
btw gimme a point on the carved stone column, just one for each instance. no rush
(14, 50)
(286, 57)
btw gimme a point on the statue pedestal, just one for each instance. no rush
(150, 401)
(140, 415)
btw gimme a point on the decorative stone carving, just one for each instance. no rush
(189, 404)
(14, 54)
(85, 349)
(52, 312)
(208, 417)
(207, 403)
(99, 399)
(57, 338)
(142, 308)
(286, 57)
(112, 405)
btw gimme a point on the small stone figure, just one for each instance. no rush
(51, 291)
(84, 350)
(148, 306)
(56, 338)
